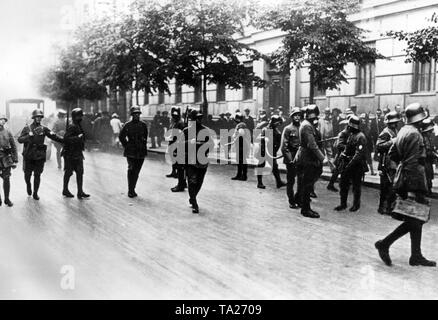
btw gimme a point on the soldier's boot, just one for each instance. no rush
(280, 183)
(343, 205)
(7, 189)
(239, 173)
(195, 207)
(356, 198)
(260, 184)
(27, 177)
(80, 182)
(417, 258)
(174, 173)
(65, 191)
(36, 186)
(244, 172)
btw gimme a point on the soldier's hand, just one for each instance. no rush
(81, 135)
(31, 133)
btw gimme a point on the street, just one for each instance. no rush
(245, 244)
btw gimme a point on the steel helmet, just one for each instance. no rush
(275, 119)
(295, 111)
(175, 111)
(427, 125)
(2, 116)
(354, 122)
(415, 113)
(312, 111)
(62, 112)
(135, 109)
(37, 113)
(238, 117)
(77, 112)
(392, 117)
(194, 114)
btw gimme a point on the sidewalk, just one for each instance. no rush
(370, 181)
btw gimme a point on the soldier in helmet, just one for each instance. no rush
(34, 151)
(134, 137)
(74, 145)
(190, 143)
(59, 129)
(309, 160)
(177, 168)
(354, 165)
(290, 143)
(427, 132)
(242, 140)
(386, 166)
(409, 153)
(8, 158)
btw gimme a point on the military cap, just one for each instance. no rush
(135, 109)
(415, 113)
(354, 122)
(37, 113)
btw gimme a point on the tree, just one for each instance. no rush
(422, 45)
(205, 48)
(318, 35)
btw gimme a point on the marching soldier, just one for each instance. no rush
(353, 165)
(309, 160)
(196, 164)
(8, 158)
(242, 140)
(427, 131)
(59, 129)
(178, 168)
(74, 145)
(386, 167)
(134, 137)
(408, 151)
(34, 151)
(289, 147)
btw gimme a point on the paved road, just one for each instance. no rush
(245, 244)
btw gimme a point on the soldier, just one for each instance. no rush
(431, 156)
(309, 160)
(177, 125)
(134, 137)
(59, 129)
(8, 158)
(353, 165)
(289, 147)
(386, 166)
(196, 164)
(408, 151)
(242, 139)
(365, 129)
(34, 151)
(156, 130)
(249, 121)
(74, 145)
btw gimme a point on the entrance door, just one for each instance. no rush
(279, 91)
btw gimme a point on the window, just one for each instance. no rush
(220, 92)
(160, 97)
(365, 78)
(247, 88)
(178, 92)
(146, 98)
(424, 76)
(198, 92)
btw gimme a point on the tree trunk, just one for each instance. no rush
(136, 98)
(311, 90)
(204, 98)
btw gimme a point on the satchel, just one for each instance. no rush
(7, 161)
(412, 209)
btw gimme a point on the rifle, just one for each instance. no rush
(329, 139)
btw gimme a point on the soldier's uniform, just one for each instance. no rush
(289, 147)
(354, 165)
(133, 138)
(176, 127)
(242, 141)
(8, 159)
(340, 144)
(386, 166)
(59, 128)
(34, 151)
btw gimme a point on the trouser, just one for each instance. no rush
(181, 174)
(387, 194)
(334, 176)
(291, 174)
(310, 174)
(242, 171)
(428, 168)
(36, 167)
(158, 141)
(195, 179)
(58, 147)
(74, 165)
(134, 168)
(276, 171)
(348, 177)
(6, 174)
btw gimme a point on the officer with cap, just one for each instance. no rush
(134, 137)
(34, 151)
(309, 159)
(290, 143)
(354, 165)
(431, 155)
(194, 138)
(386, 166)
(8, 158)
(59, 128)
(176, 127)
(408, 152)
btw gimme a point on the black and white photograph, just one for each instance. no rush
(218, 150)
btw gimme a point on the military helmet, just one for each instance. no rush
(392, 117)
(354, 122)
(275, 119)
(194, 114)
(37, 113)
(135, 109)
(295, 111)
(427, 125)
(238, 117)
(312, 111)
(2, 116)
(175, 111)
(62, 112)
(77, 112)
(348, 111)
(415, 113)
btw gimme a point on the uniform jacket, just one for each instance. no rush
(7, 146)
(176, 125)
(134, 137)
(383, 144)
(34, 147)
(290, 142)
(73, 144)
(206, 142)
(309, 153)
(355, 151)
(409, 153)
(242, 138)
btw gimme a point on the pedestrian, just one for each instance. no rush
(59, 129)
(196, 164)
(386, 166)
(260, 147)
(309, 160)
(427, 131)
(353, 166)
(156, 130)
(290, 143)
(242, 140)
(116, 126)
(134, 137)
(8, 159)
(410, 181)
(74, 145)
(103, 131)
(326, 130)
(165, 122)
(34, 151)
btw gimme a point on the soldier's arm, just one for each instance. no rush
(285, 144)
(51, 135)
(312, 145)
(72, 136)
(13, 148)
(24, 136)
(122, 136)
(384, 142)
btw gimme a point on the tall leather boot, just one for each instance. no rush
(65, 191)
(36, 186)
(244, 172)
(356, 198)
(6, 190)
(280, 183)
(27, 177)
(79, 182)
(260, 184)
(239, 173)
(344, 196)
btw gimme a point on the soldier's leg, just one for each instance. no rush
(27, 167)
(244, 172)
(58, 155)
(333, 178)
(6, 175)
(200, 175)
(39, 167)
(79, 169)
(137, 168)
(68, 172)
(260, 184)
(290, 183)
(130, 175)
(239, 172)
(344, 185)
(276, 173)
(357, 188)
